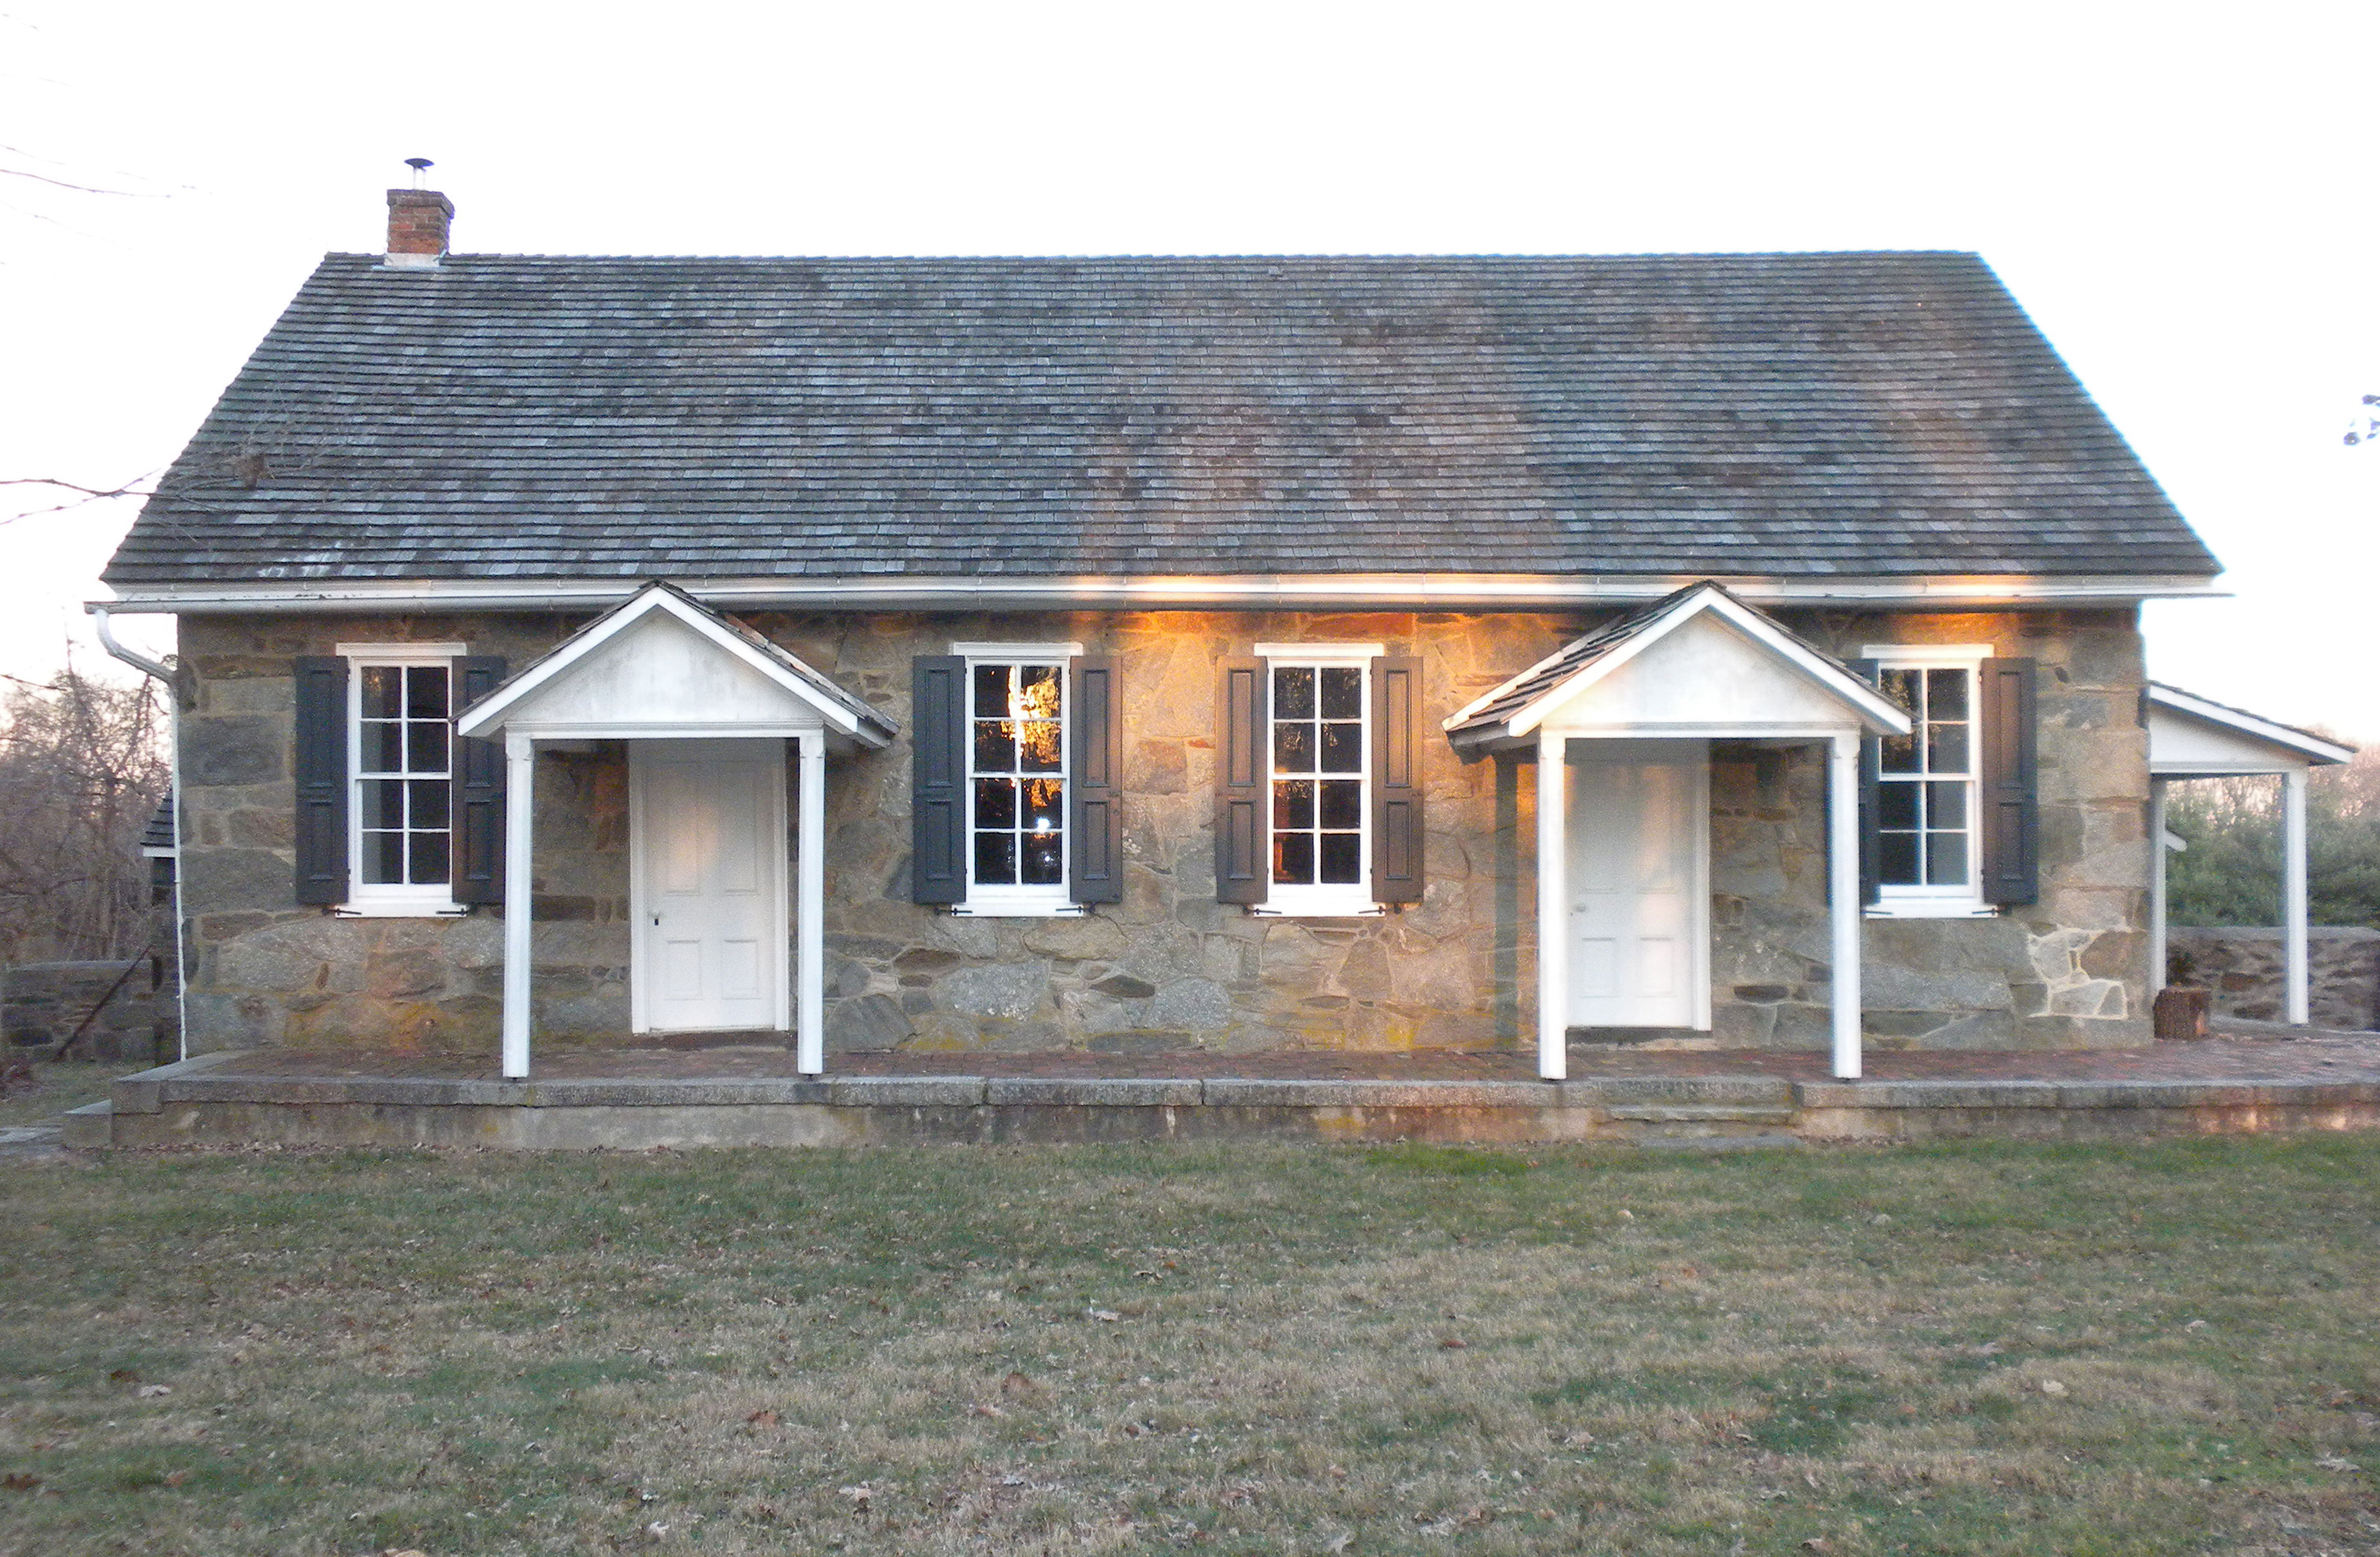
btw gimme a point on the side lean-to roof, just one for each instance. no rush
(1812, 417)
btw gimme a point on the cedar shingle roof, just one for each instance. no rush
(1879, 414)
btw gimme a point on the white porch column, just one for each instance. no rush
(1553, 914)
(520, 794)
(2293, 897)
(1844, 895)
(811, 931)
(2156, 885)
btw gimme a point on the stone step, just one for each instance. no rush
(1765, 1141)
(1765, 1092)
(1703, 1112)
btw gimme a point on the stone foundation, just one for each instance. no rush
(1168, 967)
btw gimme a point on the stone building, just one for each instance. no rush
(1139, 654)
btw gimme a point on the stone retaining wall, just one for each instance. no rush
(1168, 966)
(2241, 967)
(42, 1003)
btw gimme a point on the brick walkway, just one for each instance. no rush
(2231, 1055)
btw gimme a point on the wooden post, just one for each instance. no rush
(1843, 898)
(2295, 973)
(811, 932)
(520, 786)
(2157, 887)
(1553, 911)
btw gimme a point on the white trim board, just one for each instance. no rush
(1321, 591)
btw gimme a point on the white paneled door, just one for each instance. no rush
(708, 843)
(1638, 883)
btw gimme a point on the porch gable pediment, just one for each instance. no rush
(662, 663)
(1701, 662)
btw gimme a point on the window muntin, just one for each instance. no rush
(1017, 786)
(400, 777)
(1926, 783)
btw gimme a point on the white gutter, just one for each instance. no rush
(1285, 591)
(164, 674)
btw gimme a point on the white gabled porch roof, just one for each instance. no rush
(661, 662)
(2194, 737)
(1754, 675)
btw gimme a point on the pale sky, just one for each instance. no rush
(2182, 197)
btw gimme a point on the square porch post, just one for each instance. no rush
(2156, 885)
(2298, 983)
(1553, 917)
(520, 788)
(809, 1046)
(1843, 896)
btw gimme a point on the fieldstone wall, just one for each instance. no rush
(1168, 966)
(43, 1003)
(2241, 967)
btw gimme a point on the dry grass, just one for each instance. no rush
(1240, 1349)
(55, 1086)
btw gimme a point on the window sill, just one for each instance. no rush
(1931, 908)
(415, 909)
(1350, 910)
(1017, 910)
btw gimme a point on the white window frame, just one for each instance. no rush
(1937, 902)
(1319, 899)
(397, 900)
(1024, 903)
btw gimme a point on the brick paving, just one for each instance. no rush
(2235, 1054)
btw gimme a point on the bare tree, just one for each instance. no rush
(82, 766)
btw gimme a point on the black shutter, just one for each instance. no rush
(2012, 803)
(938, 691)
(1243, 810)
(1396, 781)
(1871, 764)
(1095, 785)
(319, 767)
(479, 790)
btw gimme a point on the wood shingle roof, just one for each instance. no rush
(1884, 416)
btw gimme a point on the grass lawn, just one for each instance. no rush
(57, 1086)
(1247, 1348)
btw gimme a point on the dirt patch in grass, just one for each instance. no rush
(1233, 1349)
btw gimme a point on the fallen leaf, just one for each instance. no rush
(859, 1497)
(2336, 1462)
(1817, 1543)
(19, 1482)
(980, 1409)
(150, 1391)
(1105, 1316)
(763, 1418)
(1580, 1440)
(176, 1478)
(1451, 1344)
(1626, 1214)
(1878, 1220)
(1238, 1497)
(1018, 1385)
(404, 1551)
(1337, 1472)
(2053, 1389)
(123, 1376)
(2195, 1324)
(1339, 1542)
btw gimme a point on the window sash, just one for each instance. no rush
(1929, 814)
(401, 778)
(1317, 789)
(1016, 808)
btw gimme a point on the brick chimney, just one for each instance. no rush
(417, 228)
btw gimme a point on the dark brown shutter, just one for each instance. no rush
(2012, 803)
(938, 691)
(479, 790)
(1396, 781)
(1095, 785)
(1871, 764)
(319, 767)
(1243, 810)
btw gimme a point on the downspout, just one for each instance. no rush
(164, 674)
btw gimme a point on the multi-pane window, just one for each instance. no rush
(1927, 780)
(1017, 776)
(1317, 775)
(404, 774)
